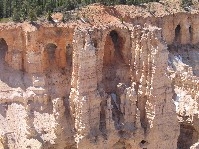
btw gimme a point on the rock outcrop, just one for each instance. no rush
(121, 77)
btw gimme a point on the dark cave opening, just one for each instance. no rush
(102, 126)
(115, 71)
(188, 136)
(143, 144)
(69, 56)
(94, 42)
(50, 49)
(118, 46)
(3, 49)
(190, 32)
(115, 37)
(143, 141)
(177, 33)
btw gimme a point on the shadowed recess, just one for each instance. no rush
(50, 48)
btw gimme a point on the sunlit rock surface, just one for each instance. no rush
(107, 82)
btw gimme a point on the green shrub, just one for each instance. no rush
(16, 16)
(32, 15)
(49, 17)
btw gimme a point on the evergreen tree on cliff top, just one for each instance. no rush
(22, 9)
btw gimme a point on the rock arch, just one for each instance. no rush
(69, 54)
(49, 55)
(3, 49)
(115, 62)
(115, 71)
(177, 34)
(50, 48)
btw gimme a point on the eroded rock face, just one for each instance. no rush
(126, 84)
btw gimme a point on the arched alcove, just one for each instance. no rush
(49, 56)
(69, 54)
(188, 136)
(115, 64)
(177, 34)
(50, 49)
(94, 42)
(190, 32)
(102, 126)
(3, 49)
(11, 74)
(57, 66)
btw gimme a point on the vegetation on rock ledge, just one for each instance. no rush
(21, 10)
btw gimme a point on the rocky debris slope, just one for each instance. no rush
(186, 86)
(113, 79)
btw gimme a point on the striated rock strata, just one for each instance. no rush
(107, 83)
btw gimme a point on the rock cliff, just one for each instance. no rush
(122, 77)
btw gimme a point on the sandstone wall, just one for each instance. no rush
(126, 84)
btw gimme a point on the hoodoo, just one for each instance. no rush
(117, 77)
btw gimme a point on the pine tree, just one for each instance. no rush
(5, 9)
(49, 17)
(23, 9)
(16, 15)
(32, 15)
(1, 9)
